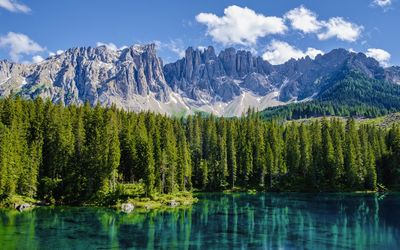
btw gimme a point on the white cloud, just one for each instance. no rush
(352, 50)
(304, 20)
(202, 48)
(240, 25)
(278, 52)
(58, 52)
(312, 52)
(14, 6)
(243, 26)
(111, 46)
(307, 21)
(341, 29)
(382, 56)
(382, 3)
(19, 44)
(175, 46)
(37, 59)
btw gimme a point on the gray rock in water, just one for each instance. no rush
(22, 207)
(173, 203)
(127, 207)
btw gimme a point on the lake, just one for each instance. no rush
(217, 221)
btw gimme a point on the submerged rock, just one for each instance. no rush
(127, 208)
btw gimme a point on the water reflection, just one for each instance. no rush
(237, 221)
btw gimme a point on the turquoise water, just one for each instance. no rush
(218, 221)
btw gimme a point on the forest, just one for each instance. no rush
(77, 154)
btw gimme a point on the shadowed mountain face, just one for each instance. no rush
(225, 84)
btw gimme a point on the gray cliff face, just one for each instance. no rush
(202, 75)
(98, 75)
(304, 78)
(225, 84)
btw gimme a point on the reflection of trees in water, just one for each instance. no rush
(12, 223)
(272, 221)
(230, 221)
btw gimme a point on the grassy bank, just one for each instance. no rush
(12, 201)
(133, 194)
(159, 201)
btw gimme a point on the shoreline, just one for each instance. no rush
(157, 202)
(161, 202)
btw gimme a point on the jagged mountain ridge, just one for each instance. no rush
(225, 84)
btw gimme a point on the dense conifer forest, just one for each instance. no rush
(78, 154)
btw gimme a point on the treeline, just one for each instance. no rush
(350, 94)
(317, 108)
(76, 154)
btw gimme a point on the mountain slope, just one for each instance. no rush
(225, 84)
(131, 78)
(348, 94)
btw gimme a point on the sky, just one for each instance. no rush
(31, 31)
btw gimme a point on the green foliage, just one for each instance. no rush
(83, 154)
(130, 190)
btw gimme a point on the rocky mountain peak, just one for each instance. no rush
(95, 74)
(225, 83)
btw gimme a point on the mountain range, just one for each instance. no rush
(225, 83)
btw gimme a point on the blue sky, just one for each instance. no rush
(276, 30)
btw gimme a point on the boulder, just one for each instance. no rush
(127, 207)
(22, 207)
(173, 203)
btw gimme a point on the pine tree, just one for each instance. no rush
(276, 143)
(184, 165)
(259, 157)
(328, 171)
(305, 151)
(57, 151)
(204, 174)
(221, 163)
(114, 154)
(338, 165)
(196, 149)
(154, 135)
(8, 160)
(169, 157)
(293, 154)
(351, 155)
(371, 176)
(128, 150)
(231, 154)
(317, 156)
(75, 174)
(269, 165)
(144, 162)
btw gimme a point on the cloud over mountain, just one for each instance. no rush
(278, 52)
(304, 20)
(382, 56)
(240, 25)
(19, 44)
